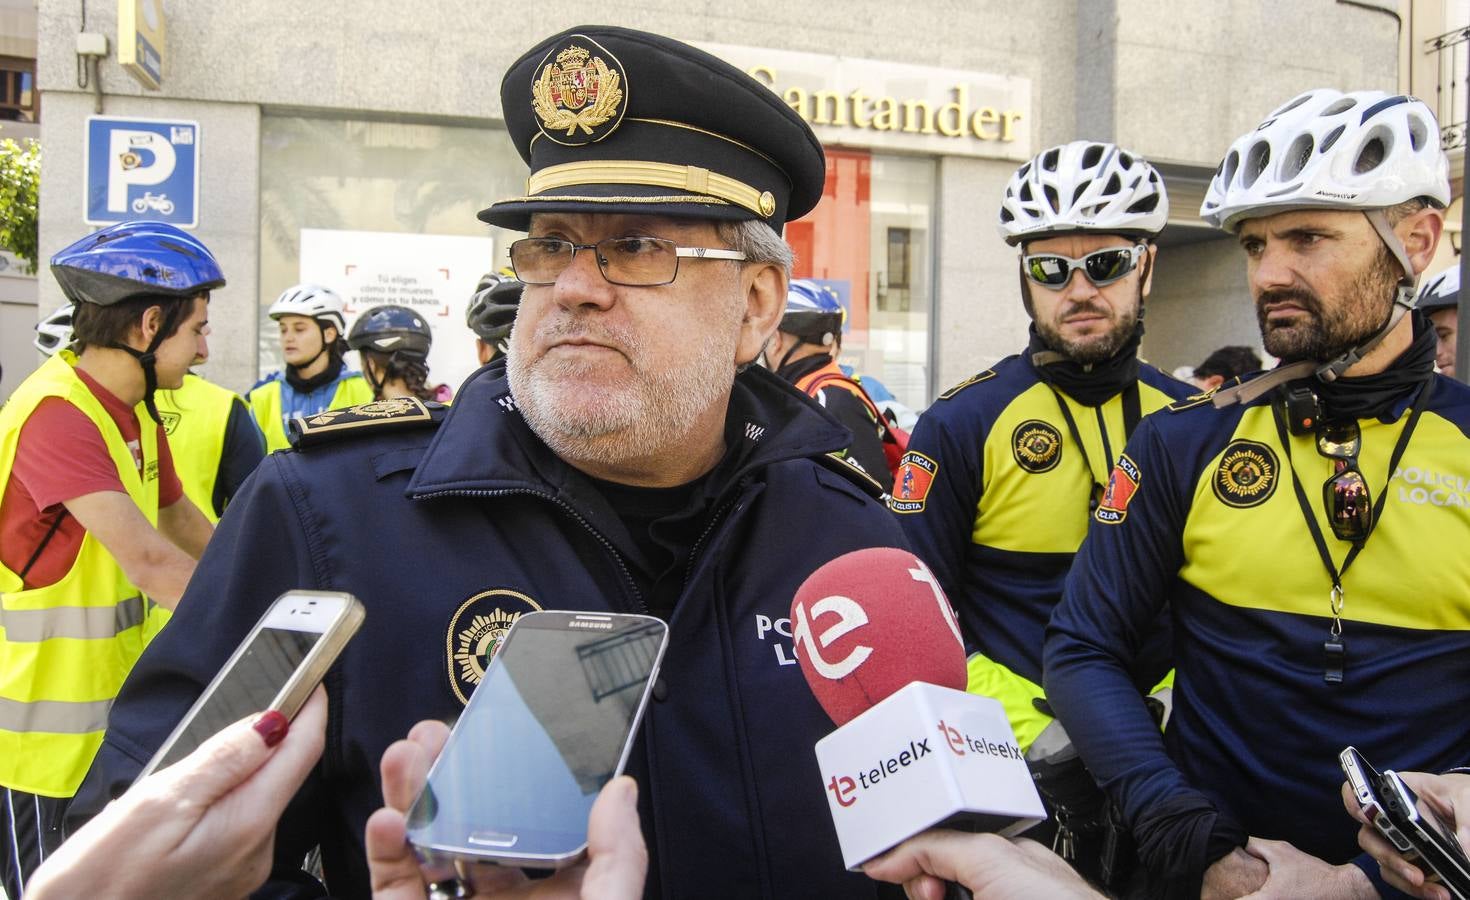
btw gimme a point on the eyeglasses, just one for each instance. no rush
(1101, 267)
(1345, 495)
(627, 261)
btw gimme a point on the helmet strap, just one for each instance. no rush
(1403, 302)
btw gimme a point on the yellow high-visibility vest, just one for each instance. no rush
(194, 418)
(65, 648)
(265, 405)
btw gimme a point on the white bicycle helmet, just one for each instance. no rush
(1326, 149)
(53, 333)
(1442, 291)
(1084, 186)
(310, 300)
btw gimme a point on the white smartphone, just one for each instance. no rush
(552, 722)
(277, 666)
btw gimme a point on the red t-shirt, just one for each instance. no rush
(60, 456)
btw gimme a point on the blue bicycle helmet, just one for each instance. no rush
(1442, 291)
(813, 313)
(392, 330)
(138, 260)
(135, 259)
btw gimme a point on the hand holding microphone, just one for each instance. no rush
(880, 647)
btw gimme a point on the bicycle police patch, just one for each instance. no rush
(911, 484)
(475, 632)
(1037, 446)
(1122, 485)
(1246, 475)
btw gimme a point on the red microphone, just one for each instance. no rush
(880, 647)
(870, 622)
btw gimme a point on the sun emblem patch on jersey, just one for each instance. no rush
(1122, 485)
(912, 482)
(1246, 475)
(1037, 446)
(475, 632)
(579, 96)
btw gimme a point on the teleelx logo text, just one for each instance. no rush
(845, 789)
(961, 744)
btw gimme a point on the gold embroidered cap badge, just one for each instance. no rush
(579, 95)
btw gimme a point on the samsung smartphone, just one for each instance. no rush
(277, 666)
(1434, 841)
(552, 722)
(1364, 781)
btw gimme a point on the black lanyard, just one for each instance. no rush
(1132, 412)
(1334, 649)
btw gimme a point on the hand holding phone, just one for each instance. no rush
(551, 723)
(617, 859)
(1436, 843)
(282, 659)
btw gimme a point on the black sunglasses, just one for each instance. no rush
(1345, 494)
(1101, 267)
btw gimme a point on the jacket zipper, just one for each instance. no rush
(576, 516)
(720, 512)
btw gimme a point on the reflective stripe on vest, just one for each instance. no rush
(65, 648)
(265, 405)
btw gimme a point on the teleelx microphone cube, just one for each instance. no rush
(879, 645)
(926, 757)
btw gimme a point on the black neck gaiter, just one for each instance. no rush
(1379, 395)
(1091, 386)
(326, 376)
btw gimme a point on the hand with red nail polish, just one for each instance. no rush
(201, 828)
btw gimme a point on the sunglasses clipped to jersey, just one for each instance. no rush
(1101, 267)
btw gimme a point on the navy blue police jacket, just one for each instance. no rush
(446, 534)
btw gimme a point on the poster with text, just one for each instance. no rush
(432, 274)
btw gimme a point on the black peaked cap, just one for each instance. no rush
(612, 120)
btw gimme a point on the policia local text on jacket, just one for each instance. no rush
(486, 523)
(1203, 519)
(994, 495)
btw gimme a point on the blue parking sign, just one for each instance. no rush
(142, 169)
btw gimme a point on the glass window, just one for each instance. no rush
(17, 89)
(384, 212)
(869, 239)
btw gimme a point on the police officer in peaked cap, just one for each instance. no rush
(625, 456)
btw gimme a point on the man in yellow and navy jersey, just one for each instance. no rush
(1003, 471)
(1281, 523)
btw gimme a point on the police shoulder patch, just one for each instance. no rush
(853, 472)
(1122, 485)
(475, 632)
(374, 418)
(911, 486)
(977, 378)
(1246, 475)
(1191, 401)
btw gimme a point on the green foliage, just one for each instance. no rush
(20, 191)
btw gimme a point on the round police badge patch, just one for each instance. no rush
(578, 97)
(475, 632)
(1037, 446)
(1246, 475)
